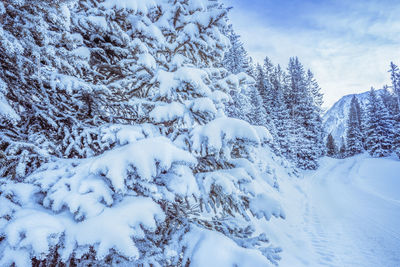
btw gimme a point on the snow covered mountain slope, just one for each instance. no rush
(335, 119)
(346, 213)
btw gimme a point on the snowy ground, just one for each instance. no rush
(347, 213)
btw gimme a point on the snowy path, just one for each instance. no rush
(349, 215)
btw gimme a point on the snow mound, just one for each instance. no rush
(201, 250)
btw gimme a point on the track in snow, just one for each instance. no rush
(350, 214)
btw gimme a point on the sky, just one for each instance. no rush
(347, 44)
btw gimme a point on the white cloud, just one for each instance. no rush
(349, 50)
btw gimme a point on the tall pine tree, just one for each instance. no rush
(342, 150)
(280, 112)
(354, 135)
(331, 149)
(235, 59)
(263, 94)
(301, 99)
(395, 77)
(379, 131)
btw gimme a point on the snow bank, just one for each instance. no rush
(265, 206)
(209, 248)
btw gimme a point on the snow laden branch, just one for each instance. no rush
(63, 206)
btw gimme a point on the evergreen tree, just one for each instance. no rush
(263, 97)
(361, 118)
(240, 105)
(379, 132)
(245, 103)
(315, 90)
(268, 68)
(235, 59)
(342, 150)
(316, 115)
(353, 131)
(252, 69)
(257, 114)
(143, 167)
(331, 149)
(264, 85)
(280, 112)
(307, 132)
(396, 135)
(395, 76)
(389, 99)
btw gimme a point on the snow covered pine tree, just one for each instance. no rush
(246, 103)
(395, 77)
(172, 181)
(354, 134)
(303, 101)
(379, 132)
(331, 149)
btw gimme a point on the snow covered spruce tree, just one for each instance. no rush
(264, 89)
(395, 111)
(395, 77)
(342, 149)
(390, 101)
(260, 109)
(174, 182)
(331, 149)
(315, 117)
(302, 100)
(379, 130)
(280, 113)
(245, 104)
(236, 61)
(354, 135)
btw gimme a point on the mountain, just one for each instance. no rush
(335, 119)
